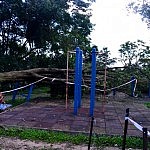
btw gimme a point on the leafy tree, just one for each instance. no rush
(104, 59)
(33, 29)
(136, 58)
(134, 53)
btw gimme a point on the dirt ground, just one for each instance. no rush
(17, 144)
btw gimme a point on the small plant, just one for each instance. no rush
(132, 142)
(147, 104)
(41, 90)
(16, 102)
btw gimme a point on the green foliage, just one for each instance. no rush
(16, 102)
(38, 91)
(134, 53)
(135, 58)
(131, 142)
(43, 135)
(134, 142)
(103, 58)
(41, 90)
(60, 137)
(147, 104)
(41, 32)
(108, 141)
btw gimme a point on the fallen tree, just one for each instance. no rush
(56, 79)
(34, 74)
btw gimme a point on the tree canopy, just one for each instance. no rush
(135, 54)
(34, 29)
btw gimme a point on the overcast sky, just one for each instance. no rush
(114, 25)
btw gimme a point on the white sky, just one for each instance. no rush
(115, 26)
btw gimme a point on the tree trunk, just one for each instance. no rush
(34, 74)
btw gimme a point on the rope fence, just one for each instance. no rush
(119, 86)
(138, 126)
(71, 83)
(23, 87)
(110, 89)
(28, 85)
(146, 133)
(28, 96)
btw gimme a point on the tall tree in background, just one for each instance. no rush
(34, 32)
(104, 59)
(128, 53)
(142, 7)
(134, 53)
(135, 56)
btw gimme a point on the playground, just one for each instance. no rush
(106, 106)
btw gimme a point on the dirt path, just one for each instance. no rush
(17, 144)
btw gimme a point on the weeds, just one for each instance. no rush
(61, 137)
(147, 104)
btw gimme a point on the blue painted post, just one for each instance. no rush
(15, 91)
(132, 86)
(29, 93)
(76, 89)
(93, 82)
(80, 78)
(114, 92)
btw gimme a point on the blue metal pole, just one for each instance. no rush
(114, 92)
(76, 89)
(15, 91)
(80, 78)
(29, 93)
(132, 86)
(93, 82)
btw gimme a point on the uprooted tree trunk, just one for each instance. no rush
(34, 74)
(54, 76)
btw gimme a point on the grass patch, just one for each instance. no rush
(131, 142)
(16, 102)
(41, 90)
(147, 104)
(78, 139)
(43, 135)
(21, 100)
